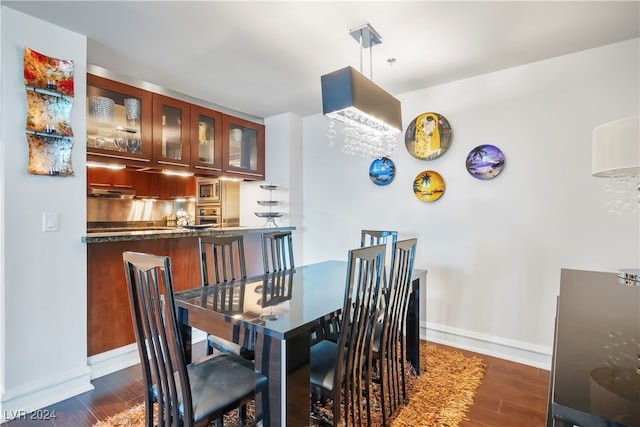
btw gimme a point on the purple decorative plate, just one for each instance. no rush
(485, 162)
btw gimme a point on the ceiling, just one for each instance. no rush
(264, 58)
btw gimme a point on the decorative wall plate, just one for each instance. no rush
(428, 186)
(48, 114)
(45, 72)
(49, 156)
(485, 162)
(382, 171)
(428, 136)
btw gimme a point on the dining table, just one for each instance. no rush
(282, 319)
(595, 369)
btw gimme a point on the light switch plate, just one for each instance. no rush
(49, 221)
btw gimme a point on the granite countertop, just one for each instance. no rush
(122, 235)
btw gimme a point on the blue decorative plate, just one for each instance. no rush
(485, 162)
(382, 171)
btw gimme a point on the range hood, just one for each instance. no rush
(112, 193)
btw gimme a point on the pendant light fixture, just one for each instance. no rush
(372, 117)
(616, 155)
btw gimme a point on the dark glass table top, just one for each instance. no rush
(597, 352)
(275, 305)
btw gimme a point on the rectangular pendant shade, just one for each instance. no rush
(616, 148)
(350, 97)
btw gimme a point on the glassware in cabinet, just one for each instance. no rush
(243, 148)
(118, 121)
(171, 132)
(206, 140)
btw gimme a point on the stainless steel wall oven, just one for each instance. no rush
(209, 215)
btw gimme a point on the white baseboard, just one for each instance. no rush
(514, 351)
(113, 360)
(18, 403)
(123, 357)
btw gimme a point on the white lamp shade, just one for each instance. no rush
(616, 148)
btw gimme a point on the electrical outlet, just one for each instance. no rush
(49, 221)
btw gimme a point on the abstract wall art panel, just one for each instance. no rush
(45, 72)
(49, 155)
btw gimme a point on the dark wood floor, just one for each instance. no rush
(511, 394)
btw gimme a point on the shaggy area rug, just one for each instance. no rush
(440, 396)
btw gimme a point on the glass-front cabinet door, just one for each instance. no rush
(118, 122)
(171, 132)
(243, 148)
(206, 141)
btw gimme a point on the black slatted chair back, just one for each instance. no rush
(347, 377)
(379, 237)
(391, 334)
(277, 251)
(222, 258)
(217, 384)
(150, 287)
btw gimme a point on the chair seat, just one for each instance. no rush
(224, 387)
(220, 383)
(323, 364)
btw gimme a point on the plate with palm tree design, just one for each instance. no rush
(428, 186)
(485, 162)
(382, 171)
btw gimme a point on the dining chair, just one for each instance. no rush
(277, 251)
(378, 237)
(389, 343)
(339, 370)
(222, 260)
(226, 255)
(191, 394)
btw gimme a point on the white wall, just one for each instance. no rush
(43, 330)
(493, 249)
(283, 167)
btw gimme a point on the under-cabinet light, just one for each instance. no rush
(176, 173)
(227, 178)
(105, 165)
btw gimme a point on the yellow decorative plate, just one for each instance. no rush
(428, 186)
(428, 136)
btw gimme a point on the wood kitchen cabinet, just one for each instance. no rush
(151, 131)
(206, 141)
(172, 186)
(163, 187)
(102, 177)
(171, 133)
(243, 149)
(118, 122)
